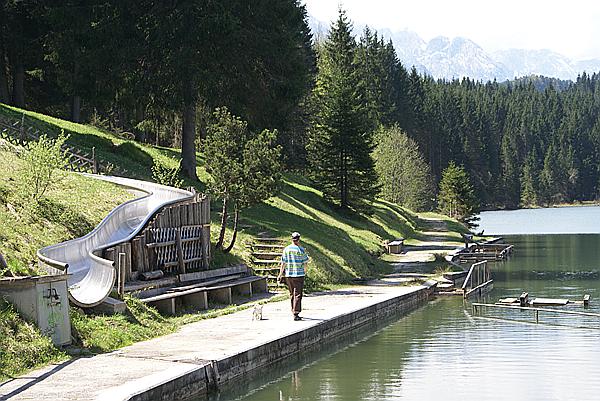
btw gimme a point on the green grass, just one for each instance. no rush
(342, 246)
(129, 158)
(22, 346)
(70, 209)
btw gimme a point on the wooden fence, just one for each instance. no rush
(176, 241)
(16, 132)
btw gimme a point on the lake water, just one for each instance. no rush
(562, 220)
(445, 351)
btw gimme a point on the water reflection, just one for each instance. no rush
(445, 351)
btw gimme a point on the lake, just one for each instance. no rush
(445, 351)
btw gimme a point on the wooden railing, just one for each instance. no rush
(16, 132)
(478, 280)
(477, 252)
(176, 241)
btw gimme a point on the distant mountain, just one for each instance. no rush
(445, 58)
(458, 58)
(539, 62)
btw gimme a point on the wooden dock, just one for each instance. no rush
(484, 251)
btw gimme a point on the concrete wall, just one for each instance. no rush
(43, 301)
(217, 374)
(235, 367)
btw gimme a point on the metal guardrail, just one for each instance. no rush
(479, 277)
(536, 310)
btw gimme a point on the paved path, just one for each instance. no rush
(435, 240)
(118, 375)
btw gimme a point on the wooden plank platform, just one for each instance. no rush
(549, 302)
(175, 299)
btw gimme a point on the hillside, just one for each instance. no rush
(342, 247)
(70, 209)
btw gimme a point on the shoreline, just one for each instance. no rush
(554, 206)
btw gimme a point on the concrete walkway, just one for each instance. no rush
(211, 352)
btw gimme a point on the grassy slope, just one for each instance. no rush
(341, 246)
(70, 209)
(22, 346)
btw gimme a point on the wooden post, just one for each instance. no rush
(179, 251)
(523, 301)
(22, 133)
(586, 300)
(121, 275)
(94, 161)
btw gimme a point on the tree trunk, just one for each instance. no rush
(4, 93)
(235, 230)
(188, 134)
(3, 264)
(18, 92)
(223, 223)
(76, 109)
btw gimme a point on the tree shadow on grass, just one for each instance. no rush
(75, 223)
(383, 211)
(339, 257)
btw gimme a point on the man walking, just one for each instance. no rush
(293, 262)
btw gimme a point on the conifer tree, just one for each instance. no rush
(340, 142)
(456, 197)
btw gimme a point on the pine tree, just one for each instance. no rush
(244, 167)
(340, 143)
(456, 197)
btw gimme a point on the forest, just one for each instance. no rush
(159, 70)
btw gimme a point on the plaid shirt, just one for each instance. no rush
(294, 257)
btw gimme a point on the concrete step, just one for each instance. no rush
(266, 262)
(268, 239)
(266, 255)
(267, 246)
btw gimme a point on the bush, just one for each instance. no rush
(43, 161)
(170, 176)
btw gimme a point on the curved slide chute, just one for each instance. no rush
(91, 278)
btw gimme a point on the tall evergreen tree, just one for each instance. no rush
(340, 142)
(456, 197)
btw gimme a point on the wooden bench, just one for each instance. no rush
(220, 290)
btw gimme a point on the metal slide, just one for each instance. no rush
(91, 278)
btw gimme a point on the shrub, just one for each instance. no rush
(43, 161)
(166, 175)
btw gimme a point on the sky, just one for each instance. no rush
(568, 27)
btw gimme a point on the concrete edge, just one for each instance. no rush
(200, 379)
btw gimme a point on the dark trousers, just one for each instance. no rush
(295, 285)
